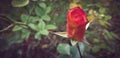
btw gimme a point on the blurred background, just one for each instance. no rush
(27, 29)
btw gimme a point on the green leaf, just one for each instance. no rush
(16, 28)
(20, 3)
(107, 17)
(102, 10)
(41, 25)
(33, 26)
(114, 35)
(74, 52)
(46, 17)
(96, 40)
(38, 36)
(44, 32)
(107, 34)
(24, 18)
(34, 19)
(49, 27)
(48, 9)
(25, 33)
(104, 23)
(43, 5)
(103, 45)
(96, 49)
(14, 37)
(62, 34)
(64, 56)
(38, 11)
(63, 48)
(82, 47)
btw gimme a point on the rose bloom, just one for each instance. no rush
(76, 23)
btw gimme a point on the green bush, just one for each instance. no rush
(35, 19)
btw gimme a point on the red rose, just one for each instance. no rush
(76, 23)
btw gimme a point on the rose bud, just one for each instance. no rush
(76, 23)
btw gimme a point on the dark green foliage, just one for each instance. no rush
(25, 28)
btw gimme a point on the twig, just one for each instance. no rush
(79, 50)
(6, 28)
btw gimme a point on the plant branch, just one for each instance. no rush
(6, 28)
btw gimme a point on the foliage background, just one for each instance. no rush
(25, 27)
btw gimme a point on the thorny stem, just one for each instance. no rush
(79, 50)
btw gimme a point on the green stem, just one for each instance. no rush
(79, 50)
